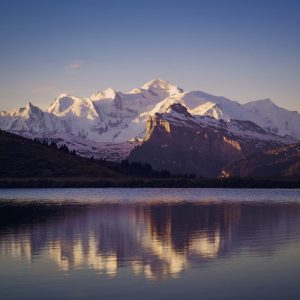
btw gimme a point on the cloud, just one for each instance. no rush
(74, 65)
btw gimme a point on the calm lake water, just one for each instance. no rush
(149, 244)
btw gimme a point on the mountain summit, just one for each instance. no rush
(160, 86)
(110, 118)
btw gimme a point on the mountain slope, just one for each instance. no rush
(182, 143)
(109, 123)
(78, 115)
(23, 158)
(275, 163)
(31, 120)
(264, 113)
(274, 118)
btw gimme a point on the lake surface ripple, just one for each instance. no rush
(149, 244)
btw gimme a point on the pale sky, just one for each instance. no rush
(243, 50)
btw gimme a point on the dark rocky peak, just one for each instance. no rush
(178, 109)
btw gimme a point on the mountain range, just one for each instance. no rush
(159, 123)
(184, 143)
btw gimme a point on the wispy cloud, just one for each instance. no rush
(75, 65)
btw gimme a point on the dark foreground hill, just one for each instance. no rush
(25, 163)
(282, 162)
(24, 158)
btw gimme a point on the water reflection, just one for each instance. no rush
(155, 240)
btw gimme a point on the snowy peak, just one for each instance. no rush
(108, 93)
(179, 115)
(27, 111)
(266, 104)
(66, 105)
(274, 118)
(31, 121)
(30, 105)
(159, 88)
(162, 85)
(264, 113)
(162, 88)
(61, 104)
(266, 101)
(200, 103)
(22, 113)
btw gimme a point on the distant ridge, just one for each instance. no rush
(110, 123)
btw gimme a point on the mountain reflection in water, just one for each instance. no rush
(154, 240)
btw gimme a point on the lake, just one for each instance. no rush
(149, 244)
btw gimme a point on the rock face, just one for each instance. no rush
(276, 163)
(182, 143)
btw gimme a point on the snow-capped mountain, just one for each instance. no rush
(111, 117)
(180, 142)
(31, 120)
(265, 113)
(78, 115)
(274, 118)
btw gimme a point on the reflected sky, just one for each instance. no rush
(150, 242)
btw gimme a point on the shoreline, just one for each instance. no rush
(6, 183)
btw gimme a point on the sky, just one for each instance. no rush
(243, 50)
